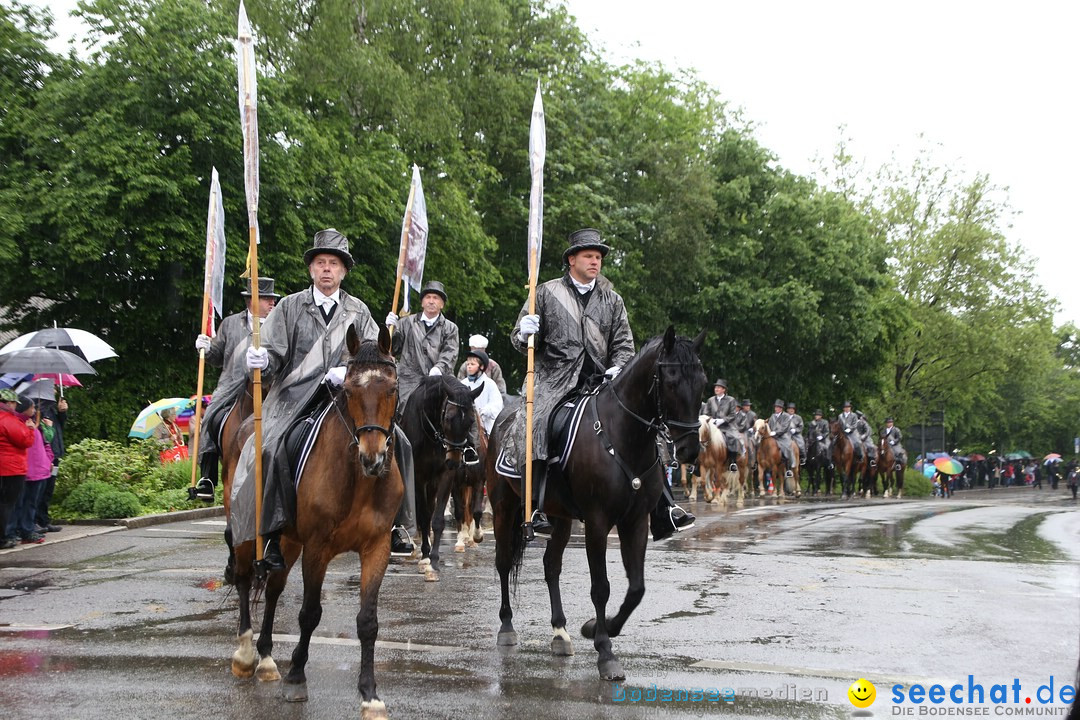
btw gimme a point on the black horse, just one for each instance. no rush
(437, 418)
(819, 464)
(613, 477)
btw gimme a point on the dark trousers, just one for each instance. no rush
(11, 489)
(21, 523)
(41, 513)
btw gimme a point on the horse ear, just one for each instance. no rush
(352, 340)
(384, 340)
(476, 391)
(698, 342)
(669, 338)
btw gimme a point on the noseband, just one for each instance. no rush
(659, 423)
(436, 434)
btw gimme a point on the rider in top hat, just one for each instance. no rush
(581, 330)
(493, 371)
(427, 342)
(302, 344)
(848, 421)
(863, 430)
(721, 407)
(819, 427)
(780, 425)
(893, 436)
(796, 431)
(226, 350)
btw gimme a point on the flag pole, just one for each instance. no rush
(249, 123)
(405, 227)
(198, 395)
(537, 152)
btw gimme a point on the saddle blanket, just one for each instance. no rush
(564, 427)
(301, 439)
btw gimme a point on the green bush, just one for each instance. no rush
(93, 469)
(117, 504)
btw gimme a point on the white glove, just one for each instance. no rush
(391, 320)
(202, 342)
(794, 431)
(435, 371)
(530, 325)
(335, 376)
(848, 431)
(612, 372)
(820, 437)
(257, 358)
(719, 421)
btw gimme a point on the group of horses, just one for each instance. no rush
(723, 474)
(351, 487)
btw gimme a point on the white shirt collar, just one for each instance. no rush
(428, 321)
(325, 301)
(583, 288)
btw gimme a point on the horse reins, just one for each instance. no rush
(437, 434)
(355, 430)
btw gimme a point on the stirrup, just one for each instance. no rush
(788, 474)
(204, 489)
(470, 456)
(733, 468)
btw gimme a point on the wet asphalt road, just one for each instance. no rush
(775, 602)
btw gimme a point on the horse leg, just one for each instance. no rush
(267, 671)
(244, 659)
(230, 565)
(294, 686)
(438, 522)
(553, 555)
(462, 519)
(596, 549)
(478, 512)
(506, 512)
(900, 483)
(633, 536)
(373, 561)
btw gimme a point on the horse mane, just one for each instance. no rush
(708, 431)
(456, 390)
(368, 354)
(681, 352)
(761, 427)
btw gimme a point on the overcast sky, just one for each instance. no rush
(993, 83)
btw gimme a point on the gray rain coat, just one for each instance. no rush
(301, 348)
(568, 332)
(421, 349)
(226, 351)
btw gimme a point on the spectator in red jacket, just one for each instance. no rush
(16, 436)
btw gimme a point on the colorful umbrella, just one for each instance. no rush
(11, 380)
(1019, 455)
(86, 345)
(149, 418)
(948, 466)
(61, 379)
(976, 457)
(1052, 456)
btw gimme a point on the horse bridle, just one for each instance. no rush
(659, 424)
(355, 430)
(437, 435)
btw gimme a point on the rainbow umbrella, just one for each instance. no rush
(948, 466)
(149, 418)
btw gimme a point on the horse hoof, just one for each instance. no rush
(424, 563)
(431, 575)
(294, 692)
(561, 645)
(611, 670)
(459, 548)
(373, 710)
(507, 638)
(267, 670)
(478, 536)
(241, 670)
(244, 659)
(588, 630)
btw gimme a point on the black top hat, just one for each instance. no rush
(479, 355)
(332, 242)
(266, 288)
(746, 402)
(888, 420)
(584, 239)
(434, 287)
(778, 403)
(847, 403)
(722, 383)
(817, 411)
(791, 406)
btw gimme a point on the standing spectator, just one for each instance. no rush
(38, 469)
(16, 436)
(57, 413)
(168, 433)
(1072, 479)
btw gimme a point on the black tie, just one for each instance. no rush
(328, 314)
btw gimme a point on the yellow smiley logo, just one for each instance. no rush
(862, 693)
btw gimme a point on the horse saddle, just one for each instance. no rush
(299, 438)
(563, 423)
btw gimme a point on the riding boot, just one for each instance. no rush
(540, 523)
(667, 517)
(272, 557)
(204, 488)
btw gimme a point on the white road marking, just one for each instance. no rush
(383, 644)
(853, 675)
(183, 532)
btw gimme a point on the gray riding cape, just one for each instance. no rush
(422, 348)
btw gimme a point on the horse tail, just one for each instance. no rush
(517, 553)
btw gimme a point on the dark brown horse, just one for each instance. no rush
(613, 477)
(770, 463)
(843, 457)
(237, 428)
(346, 500)
(437, 419)
(891, 471)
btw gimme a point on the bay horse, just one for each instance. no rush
(819, 464)
(718, 472)
(347, 495)
(613, 477)
(843, 457)
(770, 462)
(469, 500)
(235, 430)
(891, 471)
(437, 418)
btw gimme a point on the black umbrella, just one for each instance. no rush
(44, 360)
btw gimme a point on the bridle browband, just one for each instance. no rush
(356, 430)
